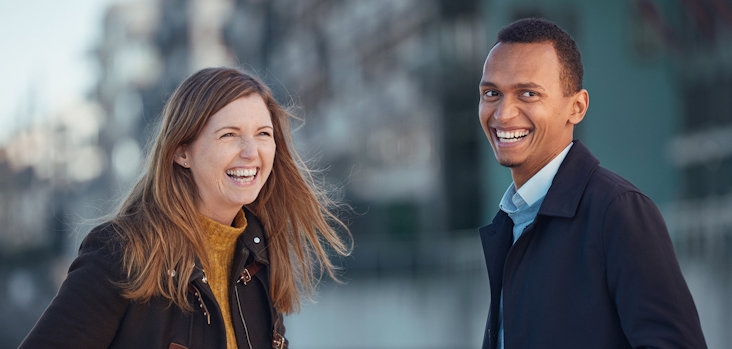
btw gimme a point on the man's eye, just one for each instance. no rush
(490, 93)
(529, 94)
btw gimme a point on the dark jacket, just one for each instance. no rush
(89, 311)
(596, 269)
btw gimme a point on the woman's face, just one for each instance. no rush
(231, 158)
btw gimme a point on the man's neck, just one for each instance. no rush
(521, 175)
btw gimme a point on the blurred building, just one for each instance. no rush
(45, 171)
(381, 86)
(698, 35)
(388, 94)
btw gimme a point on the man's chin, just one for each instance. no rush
(507, 163)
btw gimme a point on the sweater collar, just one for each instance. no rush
(223, 237)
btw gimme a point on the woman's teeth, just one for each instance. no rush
(242, 175)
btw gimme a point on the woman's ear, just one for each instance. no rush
(181, 155)
(580, 103)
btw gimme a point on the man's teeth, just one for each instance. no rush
(511, 136)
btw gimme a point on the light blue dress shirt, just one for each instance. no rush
(523, 204)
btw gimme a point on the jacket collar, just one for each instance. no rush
(573, 175)
(253, 239)
(245, 245)
(566, 190)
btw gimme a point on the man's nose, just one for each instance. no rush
(505, 110)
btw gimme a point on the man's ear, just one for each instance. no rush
(181, 155)
(580, 103)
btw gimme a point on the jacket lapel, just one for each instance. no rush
(253, 239)
(497, 239)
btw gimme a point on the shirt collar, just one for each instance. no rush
(535, 188)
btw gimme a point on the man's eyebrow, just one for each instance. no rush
(521, 85)
(529, 85)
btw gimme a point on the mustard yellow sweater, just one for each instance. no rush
(222, 242)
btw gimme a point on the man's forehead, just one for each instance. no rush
(521, 63)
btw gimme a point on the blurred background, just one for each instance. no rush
(389, 93)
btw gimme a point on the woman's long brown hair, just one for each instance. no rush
(158, 221)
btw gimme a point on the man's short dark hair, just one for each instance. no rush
(535, 30)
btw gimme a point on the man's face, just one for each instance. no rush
(523, 110)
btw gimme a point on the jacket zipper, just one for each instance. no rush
(241, 313)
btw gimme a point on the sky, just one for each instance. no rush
(46, 63)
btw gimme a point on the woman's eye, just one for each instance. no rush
(230, 134)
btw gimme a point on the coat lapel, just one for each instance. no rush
(497, 239)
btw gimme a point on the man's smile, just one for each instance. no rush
(511, 136)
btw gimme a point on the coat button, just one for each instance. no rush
(256, 239)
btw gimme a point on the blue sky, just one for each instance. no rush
(46, 49)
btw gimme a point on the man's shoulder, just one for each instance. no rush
(597, 176)
(611, 182)
(607, 189)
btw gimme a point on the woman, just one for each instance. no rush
(211, 245)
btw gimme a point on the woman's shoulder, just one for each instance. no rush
(104, 239)
(89, 304)
(102, 234)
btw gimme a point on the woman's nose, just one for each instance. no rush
(248, 148)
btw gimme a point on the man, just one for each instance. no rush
(577, 256)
